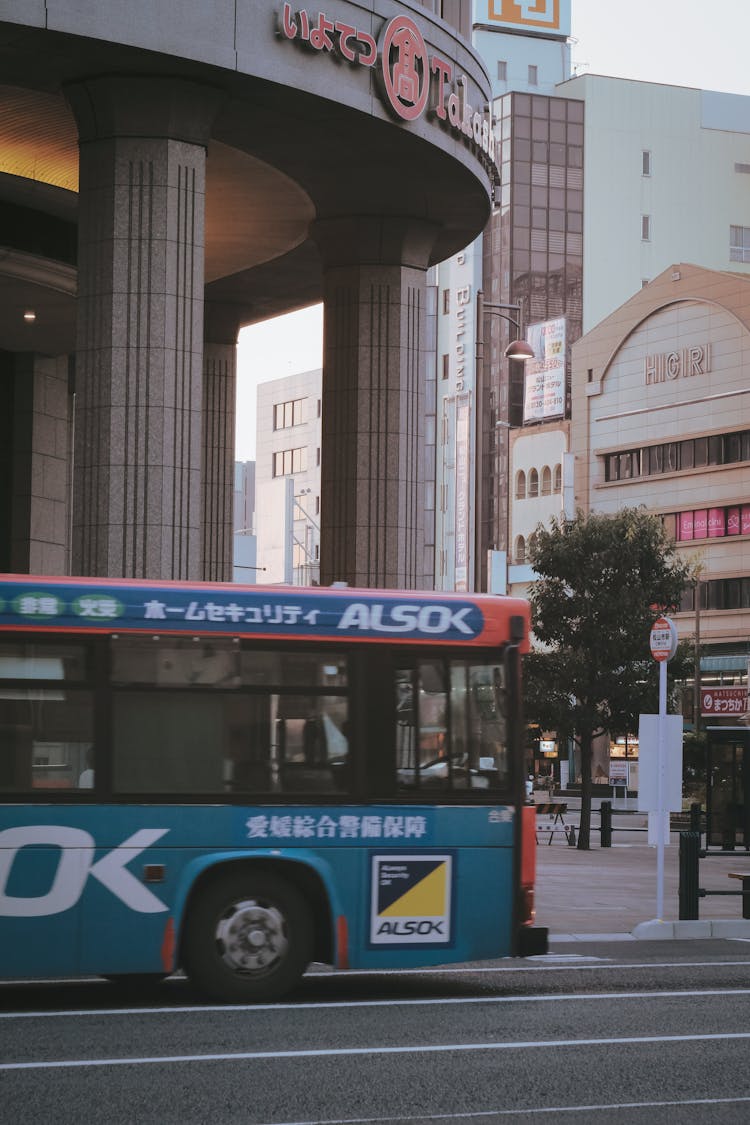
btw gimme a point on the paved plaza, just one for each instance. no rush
(612, 891)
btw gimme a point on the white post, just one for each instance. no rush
(289, 531)
(660, 790)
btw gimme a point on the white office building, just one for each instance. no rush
(287, 476)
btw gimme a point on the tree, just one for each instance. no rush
(602, 582)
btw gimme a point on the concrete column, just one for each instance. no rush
(374, 369)
(222, 324)
(39, 468)
(137, 483)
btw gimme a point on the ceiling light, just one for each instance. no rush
(29, 316)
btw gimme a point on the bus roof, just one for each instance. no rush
(316, 613)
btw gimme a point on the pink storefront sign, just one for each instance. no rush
(733, 521)
(716, 523)
(686, 525)
(700, 524)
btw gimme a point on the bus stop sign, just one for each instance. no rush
(663, 639)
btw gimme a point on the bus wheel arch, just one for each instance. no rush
(251, 928)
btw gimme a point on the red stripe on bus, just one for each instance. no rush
(342, 942)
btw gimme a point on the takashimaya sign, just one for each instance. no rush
(412, 82)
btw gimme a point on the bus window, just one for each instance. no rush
(165, 661)
(46, 727)
(452, 739)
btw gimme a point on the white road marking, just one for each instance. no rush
(512, 1112)
(340, 1052)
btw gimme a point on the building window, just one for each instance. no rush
(558, 478)
(502, 70)
(446, 366)
(286, 414)
(520, 485)
(645, 228)
(739, 244)
(533, 483)
(546, 481)
(646, 162)
(446, 300)
(519, 555)
(533, 76)
(742, 168)
(678, 456)
(288, 461)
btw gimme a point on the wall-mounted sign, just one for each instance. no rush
(532, 17)
(411, 81)
(668, 366)
(463, 490)
(544, 376)
(723, 701)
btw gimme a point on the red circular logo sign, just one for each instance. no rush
(663, 639)
(406, 68)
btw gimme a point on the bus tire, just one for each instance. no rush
(248, 937)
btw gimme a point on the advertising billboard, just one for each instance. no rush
(544, 377)
(534, 17)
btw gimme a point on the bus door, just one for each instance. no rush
(728, 788)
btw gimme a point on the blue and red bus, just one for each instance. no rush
(239, 781)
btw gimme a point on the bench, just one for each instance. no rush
(744, 877)
(555, 814)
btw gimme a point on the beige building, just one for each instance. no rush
(661, 418)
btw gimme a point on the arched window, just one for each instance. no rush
(520, 485)
(520, 552)
(533, 483)
(558, 478)
(546, 481)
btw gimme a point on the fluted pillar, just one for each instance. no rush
(137, 497)
(222, 324)
(372, 467)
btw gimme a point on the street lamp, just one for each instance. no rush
(518, 349)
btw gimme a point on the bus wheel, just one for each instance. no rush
(248, 937)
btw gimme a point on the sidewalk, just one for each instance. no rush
(610, 893)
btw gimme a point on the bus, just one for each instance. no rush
(236, 782)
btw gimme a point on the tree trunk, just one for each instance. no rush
(584, 832)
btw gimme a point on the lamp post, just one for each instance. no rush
(292, 502)
(518, 349)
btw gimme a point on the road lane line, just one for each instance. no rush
(342, 1052)
(512, 1112)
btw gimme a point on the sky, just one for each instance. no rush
(700, 43)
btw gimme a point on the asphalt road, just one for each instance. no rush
(605, 1032)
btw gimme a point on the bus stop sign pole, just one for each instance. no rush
(663, 641)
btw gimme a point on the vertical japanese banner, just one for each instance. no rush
(544, 381)
(463, 486)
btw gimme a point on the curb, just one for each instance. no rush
(656, 930)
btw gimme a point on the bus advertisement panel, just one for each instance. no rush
(237, 781)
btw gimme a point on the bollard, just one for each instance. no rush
(695, 817)
(690, 845)
(605, 824)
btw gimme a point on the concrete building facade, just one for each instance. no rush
(287, 476)
(661, 418)
(171, 172)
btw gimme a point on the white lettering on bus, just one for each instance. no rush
(405, 618)
(73, 868)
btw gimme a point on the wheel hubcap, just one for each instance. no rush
(251, 936)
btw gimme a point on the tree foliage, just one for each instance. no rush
(602, 581)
